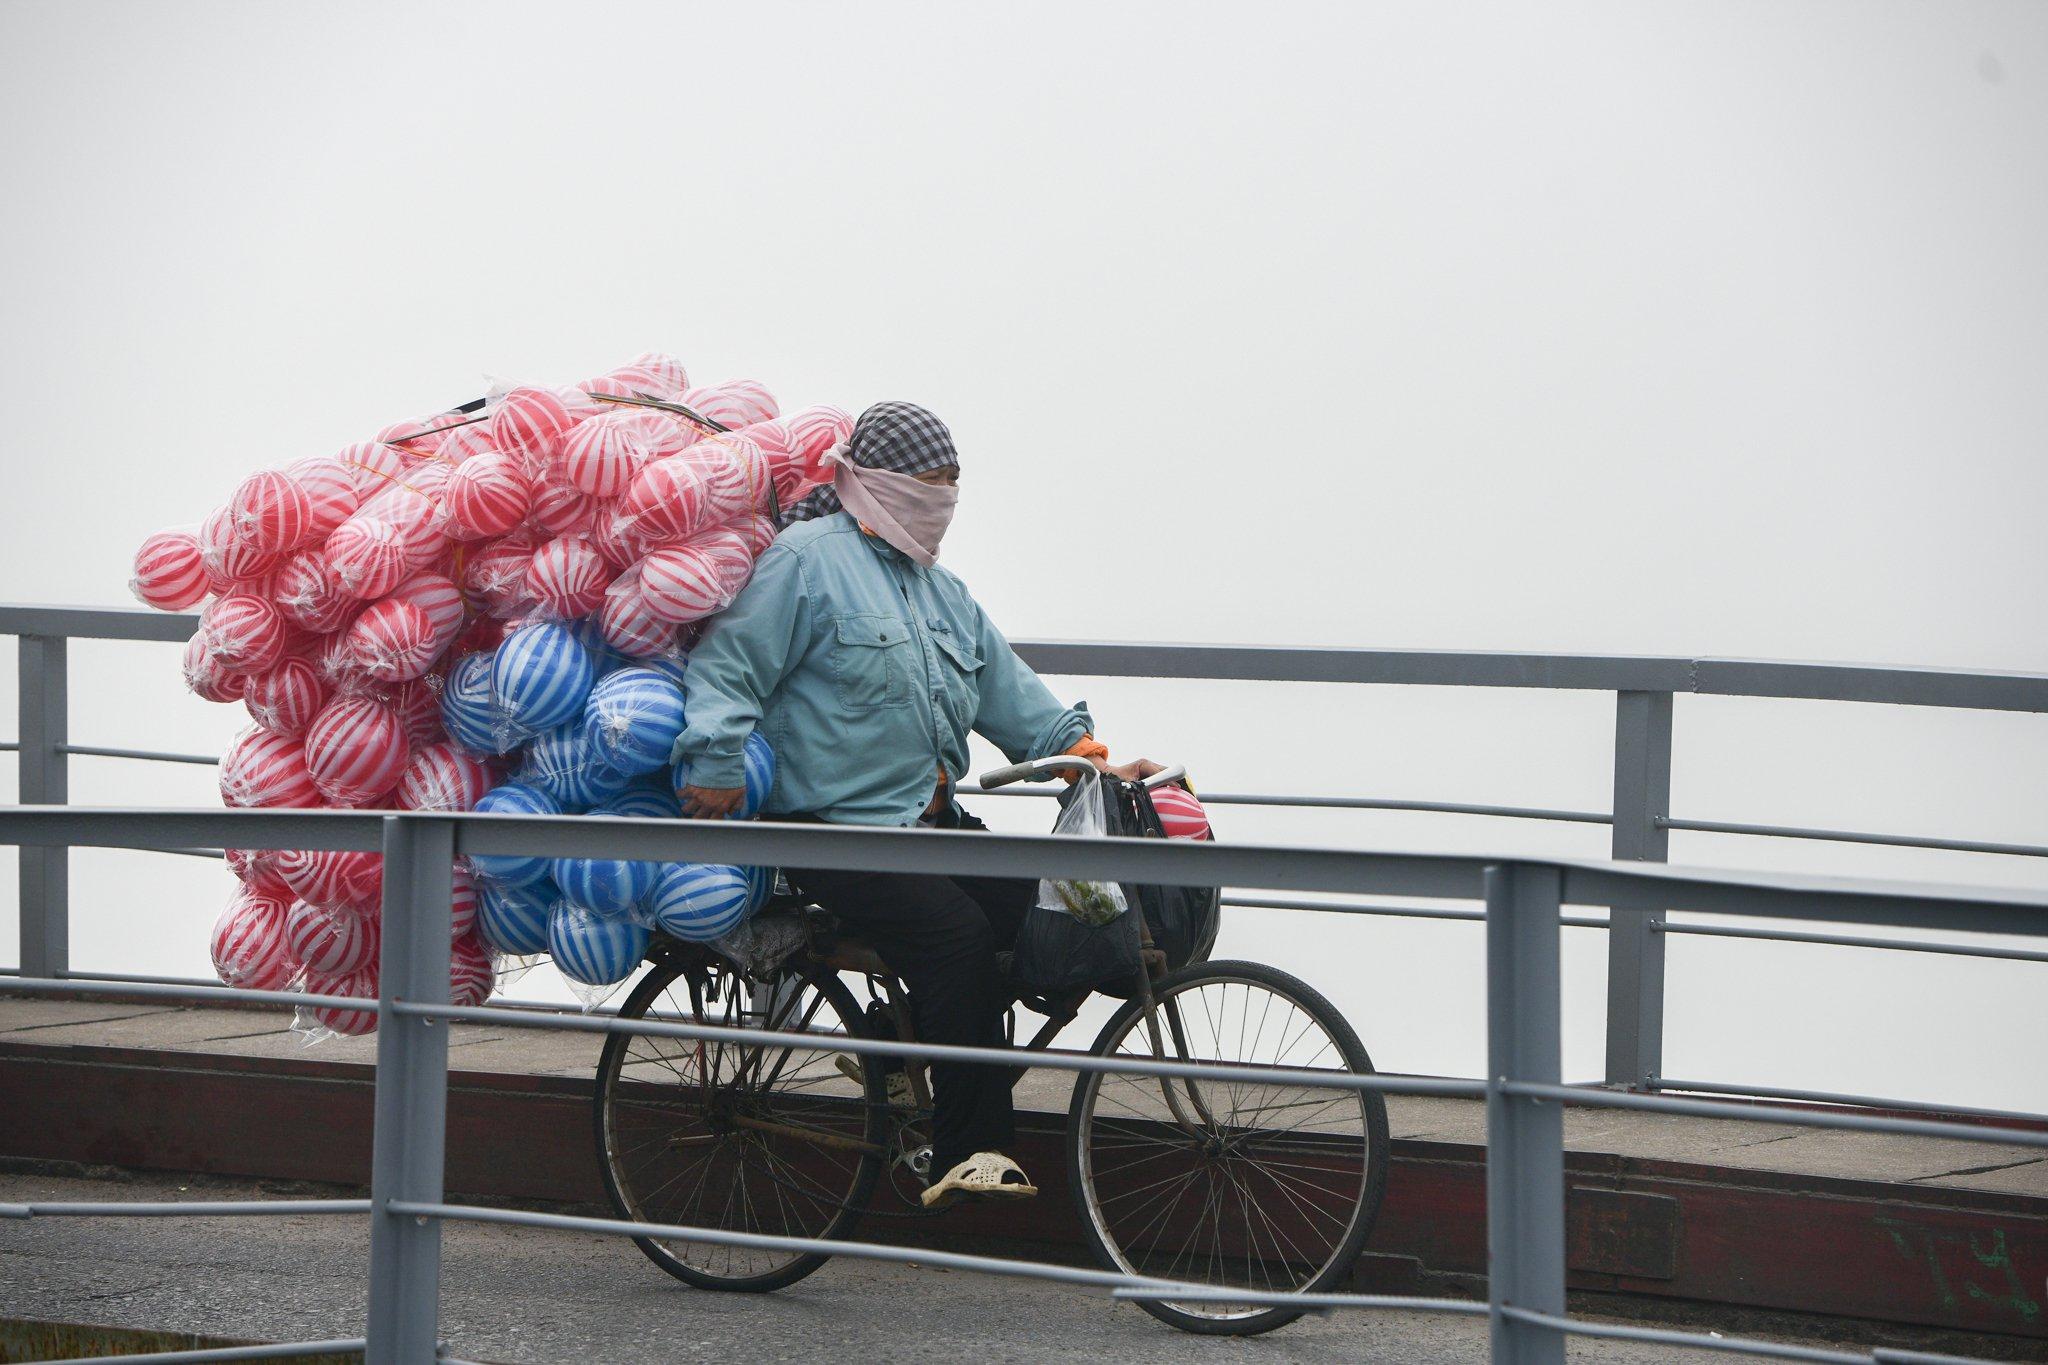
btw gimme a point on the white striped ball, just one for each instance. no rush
(626, 623)
(601, 456)
(633, 718)
(355, 750)
(330, 942)
(471, 972)
(530, 423)
(665, 501)
(487, 496)
(309, 594)
(1181, 815)
(207, 679)
(591, 949)
(514, 919)
(332, 877)
(269, 511)
(373, 466)
(244, 633)
(249, 946)
(358, 985)
(285, 699)
(441, 777)
(564, 763)
(369, 557)
(461, 902)
(540, 677)
(698, 901)
(331, 494)
(467, 711)
(169, 573)
(262, 769)
(227, 559)
(514, 869)
(496, 575)
(393, 641)
(609, 887)
(567, 577)
(561, 509)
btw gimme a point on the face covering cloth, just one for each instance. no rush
(910, 515)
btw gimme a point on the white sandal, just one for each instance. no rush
(901, 1096)
(985, 1175)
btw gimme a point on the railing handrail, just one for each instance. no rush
(1449, 876)
(1896, 684)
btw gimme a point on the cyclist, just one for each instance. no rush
(865, 665)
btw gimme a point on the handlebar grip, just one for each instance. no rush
(1003, 777)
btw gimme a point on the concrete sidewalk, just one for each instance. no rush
(520, 1295)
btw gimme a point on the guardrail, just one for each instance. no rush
(1523, 1089)
(1641, 820)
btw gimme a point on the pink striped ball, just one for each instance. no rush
(417, 704)
(331, 494)
(206, 679)
(285, 700)
(330, 942)
(465, 443)
(269, 511)
(369, 557)
(601, 456)
(442, 777)
(265, 770)
(260, 879)
(530, 424)
(393, 641)
(683, 584)
(308, 593)
(628, 626)
(662, 369)
(560, 509)
(337, 662)
(357, 985)
(471, 973)
(229, 560)
(251, 865)
(760, 532)
(373, 466)
(461, 902)
(615, 543)
(355, 751)
(666, 500)
(332, 877)
(436, 595)
(417, 509)
(736, 403)
(1181, 815)
(487, 496)
(169, 573)
(244, 634)
(567, 578)
(249, 945)
(496, 574)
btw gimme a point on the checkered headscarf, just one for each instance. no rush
(897, 436)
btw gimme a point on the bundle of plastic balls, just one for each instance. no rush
(484, 609)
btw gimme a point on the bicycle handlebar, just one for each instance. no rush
(1038, 769)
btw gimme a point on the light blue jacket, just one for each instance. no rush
(865, 671)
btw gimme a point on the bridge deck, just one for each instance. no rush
(1729, 1143)
(1720, 1220)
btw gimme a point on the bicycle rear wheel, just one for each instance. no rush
(1229, 1184)
(736, 1136)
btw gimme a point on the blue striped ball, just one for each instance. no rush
(698, 900)
(467, 711)
(515, 918)
(540, 676)
(633, 718)
(514, 869)
(606, 886)
(758, 767)
(563, 763)
(648, 801)
(760, 886)
(594, 950)
(675, 667)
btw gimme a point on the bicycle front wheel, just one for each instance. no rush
(733, 1136)
(1229, 1184)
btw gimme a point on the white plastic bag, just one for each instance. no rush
(1093, 903)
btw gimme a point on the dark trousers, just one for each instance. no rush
(941, 935)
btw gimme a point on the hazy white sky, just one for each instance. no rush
(1638, 328)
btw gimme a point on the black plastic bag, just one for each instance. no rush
(1057, 954)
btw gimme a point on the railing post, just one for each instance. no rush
(45, 872)
(1635, 945)
(412, 1092)
(1524, 1136)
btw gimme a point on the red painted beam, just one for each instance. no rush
(1941, 1257)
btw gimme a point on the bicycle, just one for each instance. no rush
(1243, 1185)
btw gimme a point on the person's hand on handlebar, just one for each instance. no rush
(712, 803)
(1137, 770)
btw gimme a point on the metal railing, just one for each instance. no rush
(1523, 1089)
(1640, 820)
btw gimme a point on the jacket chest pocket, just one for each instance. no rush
(869, 664)
(959, 679)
